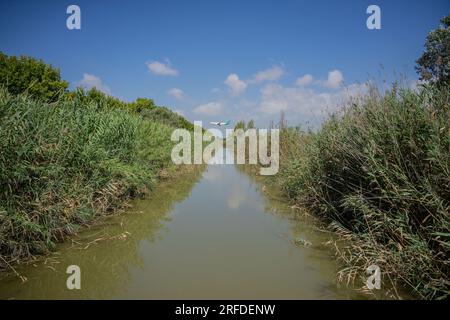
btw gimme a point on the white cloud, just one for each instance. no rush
(335, 79)
(276, 98)
(236, 198)
(209, 109)
(305, 102)
(236, 85)
(271, 74)
(304, 81)
(176, 93)
(162, 69)
(90, 81)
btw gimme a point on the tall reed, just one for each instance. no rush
(379, 174)
(65, 163)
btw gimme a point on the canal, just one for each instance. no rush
(212, 234)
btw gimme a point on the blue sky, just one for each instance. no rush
(216, 60)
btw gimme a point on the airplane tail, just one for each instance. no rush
(228, 122)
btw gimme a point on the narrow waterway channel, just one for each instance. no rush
(209, 235)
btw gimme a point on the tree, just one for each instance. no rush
(142, 104)
(31, 76)
(434, 64)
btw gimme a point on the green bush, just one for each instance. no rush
(141, 104)
(168, 117)
(380, 174)
(26, 74)
(146, 108)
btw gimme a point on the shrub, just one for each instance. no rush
(168, 117)
(26, 74)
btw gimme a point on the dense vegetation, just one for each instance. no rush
(41, 81)
(64, 163)
(144, 107)
(434, 64)
(31, 76)
(379, 174)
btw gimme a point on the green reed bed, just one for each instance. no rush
(65, 163)
(379, 174)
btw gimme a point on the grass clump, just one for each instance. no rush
(65, 163)
(379, 174)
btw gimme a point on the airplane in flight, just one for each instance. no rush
(217, 123)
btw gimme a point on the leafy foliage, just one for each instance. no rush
(167, 117)
(41, 81)
(141, 104)
(434, 64)
(26, 74)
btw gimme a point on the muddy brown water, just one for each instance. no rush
(211, 235)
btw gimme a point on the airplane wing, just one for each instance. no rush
(218, 123)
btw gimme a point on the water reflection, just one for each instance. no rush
(107, 254)
(220, 238)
